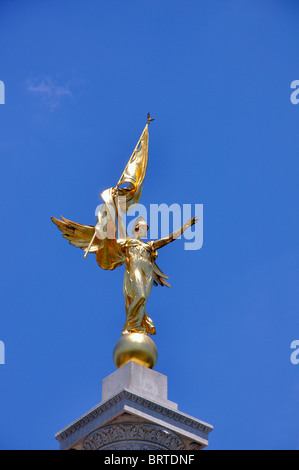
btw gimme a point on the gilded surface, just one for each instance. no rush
(141, 270)
(138, 347)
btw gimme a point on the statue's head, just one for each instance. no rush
(140, 228)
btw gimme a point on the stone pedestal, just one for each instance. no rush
(135, 414)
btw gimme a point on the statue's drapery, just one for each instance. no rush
(138, 281)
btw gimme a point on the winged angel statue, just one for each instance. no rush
(141, 270)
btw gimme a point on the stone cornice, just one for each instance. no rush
(133, 398)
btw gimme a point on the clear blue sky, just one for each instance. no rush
(80, 77)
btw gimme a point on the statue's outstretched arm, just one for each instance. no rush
(173, 236)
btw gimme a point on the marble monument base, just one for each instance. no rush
(135, 414)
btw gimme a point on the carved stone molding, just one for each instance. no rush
(133, 436)
(132, 398)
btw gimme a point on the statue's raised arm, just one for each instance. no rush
(175, 235)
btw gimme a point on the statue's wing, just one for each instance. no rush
(160, 280)
(77, 234)
(159, 276)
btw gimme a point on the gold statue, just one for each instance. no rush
(141, 270)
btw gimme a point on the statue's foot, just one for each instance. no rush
(134, 330)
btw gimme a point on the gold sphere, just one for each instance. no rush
(137, 347)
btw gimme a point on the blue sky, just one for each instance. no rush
(79, 80)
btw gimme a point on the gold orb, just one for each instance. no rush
(137, 347)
